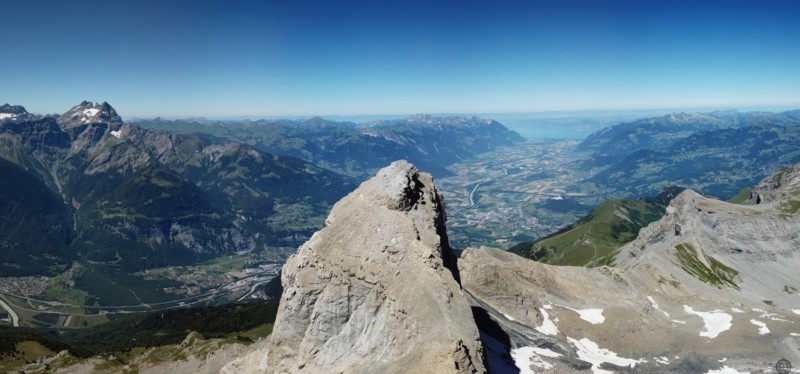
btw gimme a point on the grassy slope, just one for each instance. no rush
(741, 197)
(595, 239)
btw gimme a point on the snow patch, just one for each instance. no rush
(723, 359)
(795, 311)
(590, 352)
(653, 303)
(90, 112)
(593, 316)
(7, 115)
(794, 334)
(772, 316)
(762, 327)
(547, 327)
(526, 357)
(118, 133)
(727, 370)
(663, 360)
(735, 310)
(715, 322)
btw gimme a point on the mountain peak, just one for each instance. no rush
(8, 111)
(383, 274)
(86, 113)
(15, 109)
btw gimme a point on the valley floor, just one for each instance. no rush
(516, 193)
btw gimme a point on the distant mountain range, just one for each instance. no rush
(433, 143)
(87, 185)
(613, 144)
(715, 153)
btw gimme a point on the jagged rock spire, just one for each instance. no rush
(375, 290)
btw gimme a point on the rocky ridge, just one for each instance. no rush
(710, 287)
(376, 290)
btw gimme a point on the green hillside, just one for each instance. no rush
(595, 239)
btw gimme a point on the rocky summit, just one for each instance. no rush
(376, 290)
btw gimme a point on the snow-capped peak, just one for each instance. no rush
(87, 112)
(8, 111)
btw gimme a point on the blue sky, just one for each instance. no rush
(289, 58)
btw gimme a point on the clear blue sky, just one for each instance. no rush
(272, 58)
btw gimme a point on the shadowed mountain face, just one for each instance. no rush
(432, 143)
(137, 199)
(35, 223)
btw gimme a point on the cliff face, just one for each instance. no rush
(376, 290)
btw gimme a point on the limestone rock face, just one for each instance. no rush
(376, 290)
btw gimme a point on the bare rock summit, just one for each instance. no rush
(376, 290)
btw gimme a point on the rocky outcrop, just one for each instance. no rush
(777, 186)
(747, 248)
(376, 290)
